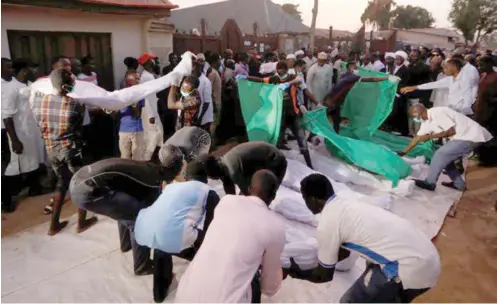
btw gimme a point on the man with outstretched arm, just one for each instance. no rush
(336, 97)
(402, 263)
(465, 136)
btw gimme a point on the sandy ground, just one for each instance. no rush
(467, 243)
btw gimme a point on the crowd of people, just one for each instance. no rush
(157, 189)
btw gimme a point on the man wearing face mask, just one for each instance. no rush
(61, 131)
(442, 122)
(336, 97)
(292, 110)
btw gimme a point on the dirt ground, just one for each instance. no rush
(467, 243)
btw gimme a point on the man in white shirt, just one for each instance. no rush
(320, 78)
(252, 238)
(402, 263)
(464, 133)
(377, 64)
(461, 95)
(205, 90)
(470, 75)
(152, 126)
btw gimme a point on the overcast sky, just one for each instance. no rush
(346, 14)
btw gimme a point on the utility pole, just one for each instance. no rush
(313, 25)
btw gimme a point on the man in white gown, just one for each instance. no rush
(319, 78)
(23, 132)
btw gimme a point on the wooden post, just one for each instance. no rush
(202, 33)
(313, 25)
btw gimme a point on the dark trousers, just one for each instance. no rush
(256, 288)
(374, 287)
(141, 254)
(119, 206)
(292, 122)
(64, 162)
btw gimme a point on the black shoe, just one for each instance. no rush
(452, 186)
(147, 271)
(424, 185)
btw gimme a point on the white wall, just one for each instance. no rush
(127, 38)
(424, 38)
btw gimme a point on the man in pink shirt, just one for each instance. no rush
(240, 255)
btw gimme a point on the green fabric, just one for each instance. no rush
(367, 155)
(262, 106)
(368, 104)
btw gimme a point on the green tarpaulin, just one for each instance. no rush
(261, 109)
(367, 106)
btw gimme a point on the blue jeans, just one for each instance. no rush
(374, 287)
(444, 158)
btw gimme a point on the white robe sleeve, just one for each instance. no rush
(9, 102)
(92, 95)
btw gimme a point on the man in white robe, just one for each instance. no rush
(23, 132)
(152, 125)
(319, 78)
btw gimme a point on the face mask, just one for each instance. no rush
(220, 69)
(185, 94)
(417, 120)
(284, 76)
(68, 88)
(356, 72)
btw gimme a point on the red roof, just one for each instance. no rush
(161, 4)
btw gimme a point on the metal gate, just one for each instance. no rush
(41, 47)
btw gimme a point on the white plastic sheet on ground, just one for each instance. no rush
(90, 267)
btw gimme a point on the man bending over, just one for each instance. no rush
(239, 165)
(120, 188)
(402, 263)
(252, 238)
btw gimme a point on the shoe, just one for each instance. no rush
(452, 186)
(424, 185)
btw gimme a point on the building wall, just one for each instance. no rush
(128, 33)
(423, 38)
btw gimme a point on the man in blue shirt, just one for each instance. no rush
(131, 136)
(173, 225)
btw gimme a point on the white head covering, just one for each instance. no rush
(322, 56)
(402, 54)
(291, 56)
(389, 54)
(299, 53)
(201, 56)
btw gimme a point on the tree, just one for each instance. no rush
(293, 10)
(313, 25)
(407, 17)
(474, 18)
(378, 14)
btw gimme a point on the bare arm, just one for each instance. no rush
(374, 79)
(255, 79)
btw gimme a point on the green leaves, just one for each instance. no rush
(474, 18)
(408, 17)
